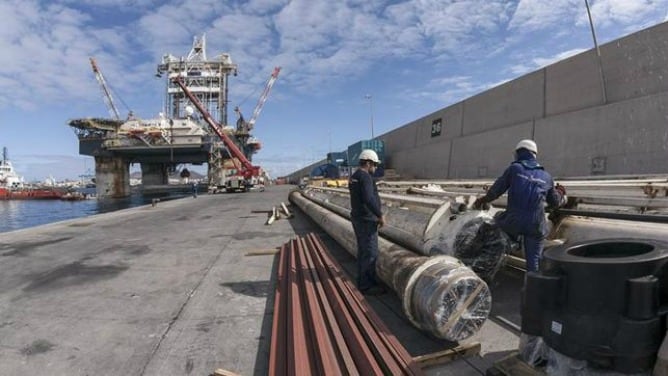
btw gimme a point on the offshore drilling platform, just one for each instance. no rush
(192, 128)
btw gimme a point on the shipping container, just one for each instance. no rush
(337, 158)
(355, 150)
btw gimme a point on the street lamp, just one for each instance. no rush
(598, 54)
(370, 98)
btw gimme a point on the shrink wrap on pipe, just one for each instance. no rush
(449, 229)
(440, 295)
(446, 298)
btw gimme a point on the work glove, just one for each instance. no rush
(563, 199)
(561, 189)
(480, 204)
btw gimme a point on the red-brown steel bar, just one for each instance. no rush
(344, 357)
(372, 339)
(391, 351)
(364, 357)
(300, 361)
(277, 354)
(326, 359)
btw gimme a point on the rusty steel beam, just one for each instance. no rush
(326, 362)
(345, 358)
(392, 350)
(364, 358)
(300, 358)
(322, 324)
(385, 359)
(277, 355)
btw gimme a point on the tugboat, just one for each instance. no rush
(13, 188)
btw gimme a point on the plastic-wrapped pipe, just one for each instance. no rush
(447, 229)
(439, 294)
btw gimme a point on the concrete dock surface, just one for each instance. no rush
(176, 290)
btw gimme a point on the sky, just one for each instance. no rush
(346, 64)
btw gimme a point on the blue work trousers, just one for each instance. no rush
(533, 252)
(533, 232)
(366, 233)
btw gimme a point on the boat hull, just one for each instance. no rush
(30, 194)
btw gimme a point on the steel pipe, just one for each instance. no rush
(440, 294)
(576, 229)
(449, 229)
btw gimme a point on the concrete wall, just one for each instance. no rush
(628, 137)
(580, 128)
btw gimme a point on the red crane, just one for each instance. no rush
(247, 168)
(246, 127)
(106, 93)
(263, 97)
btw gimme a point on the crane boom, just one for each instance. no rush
(108, 99)
(248, 169)
(263, 97)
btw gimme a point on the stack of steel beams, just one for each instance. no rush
(323, 325)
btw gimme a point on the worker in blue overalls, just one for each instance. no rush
(529, 188)
(366, 217)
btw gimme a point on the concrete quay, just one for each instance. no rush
(173, 290)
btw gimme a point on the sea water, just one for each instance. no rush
(19, 214)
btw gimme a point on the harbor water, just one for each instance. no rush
(20, 214)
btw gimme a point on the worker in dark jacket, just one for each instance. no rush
(366, 216)
(529, 188)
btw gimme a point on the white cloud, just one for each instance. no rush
(318, 42)
(540, 62)
(447, 90)
(263, 6)
(133, 4)
(534, 15)
(45, 54)
(454, 27)
(435, 52)
(609, 12)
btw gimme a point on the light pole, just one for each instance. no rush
(370, 98)
(598, 54)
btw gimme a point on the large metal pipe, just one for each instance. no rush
(574, 229)
(448, 229)
(439, 294)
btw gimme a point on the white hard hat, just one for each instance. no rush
(527, 144)
(369, 155)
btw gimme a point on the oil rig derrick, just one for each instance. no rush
(177, 135)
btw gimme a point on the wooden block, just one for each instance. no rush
(447, 356)
(224, 372)
(260, 252)
(285, 210)
(512, 365)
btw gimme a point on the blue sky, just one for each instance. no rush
(412, 57)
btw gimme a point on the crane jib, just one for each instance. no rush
(248, 169)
